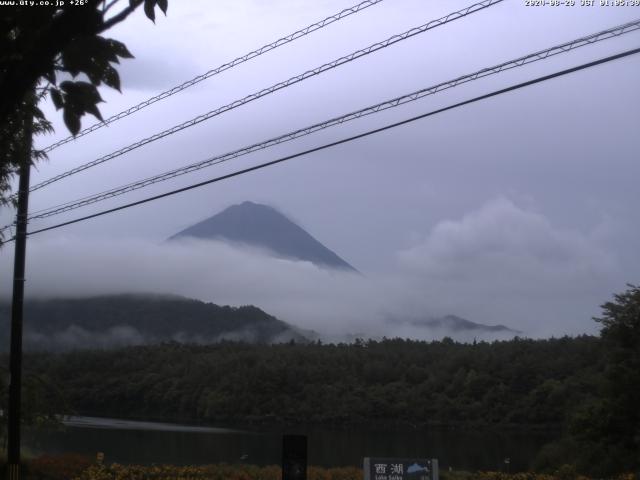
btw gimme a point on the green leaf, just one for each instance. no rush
(149, 9)
(71, 120)
(67, 86)
(111, 78)
(119, 48)
(74, 56)
(56, 98)
(163, 4)
(103, 48)
(87, 94)
(93, 56)
(95, 74)
(93, 110)
(80, 98)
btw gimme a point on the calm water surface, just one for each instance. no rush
(125, 441)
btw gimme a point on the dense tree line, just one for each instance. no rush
(588, 386)
(523, 382)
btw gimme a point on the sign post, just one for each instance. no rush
(400, 468)
(294, 457)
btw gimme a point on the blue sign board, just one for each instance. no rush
(400, 469)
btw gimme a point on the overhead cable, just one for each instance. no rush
(344, 140)
(215, 71)
(410, 97)
(278, 86)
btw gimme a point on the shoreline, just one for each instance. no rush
(247, 425)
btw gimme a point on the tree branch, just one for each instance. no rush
(106, 8)
(120, 16)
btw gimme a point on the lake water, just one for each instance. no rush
(126, 441)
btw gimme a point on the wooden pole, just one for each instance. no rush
(15, 356)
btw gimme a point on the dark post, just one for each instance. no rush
(294, 457)
(15, 358)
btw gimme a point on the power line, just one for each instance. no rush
(525, 60)
(346, 140)
(225, 66)
(278, 86)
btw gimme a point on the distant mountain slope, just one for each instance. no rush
(457, 324)
(453, 326)
(118, 320)
(262, 226)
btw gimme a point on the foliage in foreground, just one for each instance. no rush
(605, 428)
(251, 472)
(210, 472)
(57, 467)
(79, 467)
(41, 49)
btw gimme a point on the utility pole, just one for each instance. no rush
(15, 356)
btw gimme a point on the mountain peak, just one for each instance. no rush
(258, 225)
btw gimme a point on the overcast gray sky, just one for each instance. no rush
(521, 210)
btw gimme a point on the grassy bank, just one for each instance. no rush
(248, 472)
(77, 467)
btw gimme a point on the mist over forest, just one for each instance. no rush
(509, 275)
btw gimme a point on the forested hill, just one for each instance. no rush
(119, 320)
(525, 382)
